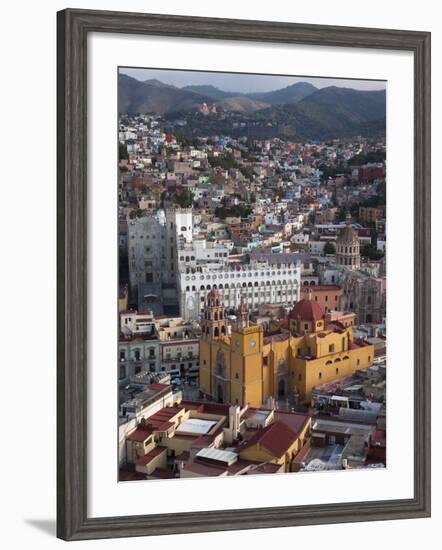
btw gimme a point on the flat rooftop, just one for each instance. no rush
(197, 426)
(218, 455)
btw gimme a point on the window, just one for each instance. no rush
(320, 375)
(299, 377)
(305, 326)
(331, 348)
(337, 370)
(236, 375)
(122, 356)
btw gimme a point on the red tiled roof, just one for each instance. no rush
(266, 468)
(158, 387)
(378, 438)
(276, 338)
(204, 469)
(295, 421)
(143, 460)
(307, 310)
(125, 475)
(139, 435)
(162, 473)
(275, 438)
(164, 427)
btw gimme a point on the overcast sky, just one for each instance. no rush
(246, 83)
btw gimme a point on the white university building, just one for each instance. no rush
(163, 251)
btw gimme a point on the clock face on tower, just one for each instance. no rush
(253, 344)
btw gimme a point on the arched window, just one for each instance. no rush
(216, 316)
(223, 329)
(337, 360)
(216, 332)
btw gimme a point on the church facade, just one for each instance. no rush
(239, 364)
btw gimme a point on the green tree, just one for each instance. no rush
(370, 252)
(329, 248)
(184, 199)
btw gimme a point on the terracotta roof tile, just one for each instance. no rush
(275, 438)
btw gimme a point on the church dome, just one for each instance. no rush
(348, 235)
(307, 310)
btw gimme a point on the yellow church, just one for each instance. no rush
(239, 364)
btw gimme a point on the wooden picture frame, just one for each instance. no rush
(73, 29)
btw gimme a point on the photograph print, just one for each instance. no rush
(252, 274)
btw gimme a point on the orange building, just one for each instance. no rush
(240, 365)
(327, 296)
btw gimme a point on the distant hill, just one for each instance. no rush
(357, 106)
(136, 96)
(299, 111)
(156, 82)
(241, 104)
(127, 87)
(145, 97)
(290, 94)
(330, 113)
(210, 91)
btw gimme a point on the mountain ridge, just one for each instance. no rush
(314, 113)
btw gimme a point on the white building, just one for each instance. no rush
(256, 283)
